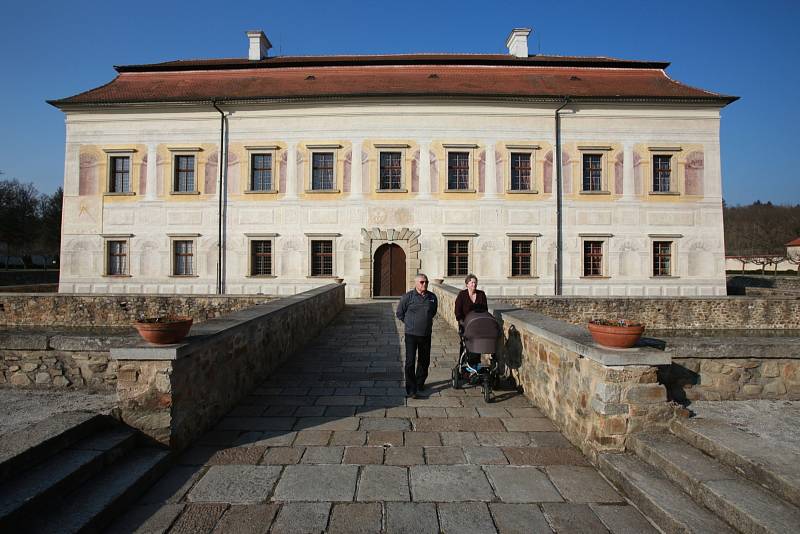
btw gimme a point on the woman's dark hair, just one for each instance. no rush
(469, 277)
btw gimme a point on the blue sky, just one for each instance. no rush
(54, 49)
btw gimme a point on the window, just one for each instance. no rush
(117, 259)
(592, 172)
(391, 170)
(184, 174)
(322, 171)
(457, 258)
(521, 176)
(261, 258)
(183, 258)
(321, 258)
(592, 258)
(662, 258)
(661, 173)
(120, 174)
(458, 171)
(521, 258)
(261, 172)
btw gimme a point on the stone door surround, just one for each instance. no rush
(373, 238)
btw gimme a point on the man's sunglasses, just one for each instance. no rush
(423, 282)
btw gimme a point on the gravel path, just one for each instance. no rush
(23, 407)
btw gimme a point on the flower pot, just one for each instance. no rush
(617, 334)
(163, 330)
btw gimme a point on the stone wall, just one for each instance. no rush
(175, 393)
(113, 310)
(670, 312)
(596, 397)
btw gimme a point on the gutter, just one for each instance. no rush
(559, 271)
(221, 190)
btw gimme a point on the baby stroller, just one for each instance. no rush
(478, 336)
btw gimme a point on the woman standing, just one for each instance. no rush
(469, 299)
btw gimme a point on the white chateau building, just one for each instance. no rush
(372, 168)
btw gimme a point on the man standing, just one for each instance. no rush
(416, 309)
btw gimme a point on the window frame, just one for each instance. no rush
(108, 239)
(673, 240)
(674, 178)
(252, 152)
(593, 150)
(111, 154)
(530, 150)
(603, 239)
(175, 153)
(174, 240)
(251, 242)
(524, 237)
(334, 149)
(314, 237)
(471, 151)
(469, 238)
(401, 150)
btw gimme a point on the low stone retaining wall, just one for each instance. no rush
(114, 310)
(597, 397)
(670, 312)
(174, 393)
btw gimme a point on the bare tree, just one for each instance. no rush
(794, 259)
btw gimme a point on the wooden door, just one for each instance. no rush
(389, 271)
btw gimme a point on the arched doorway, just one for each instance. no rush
(389, 271)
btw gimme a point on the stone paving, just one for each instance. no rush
(331, 444)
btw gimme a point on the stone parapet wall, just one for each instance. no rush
(596, 397)
(177, 392)
(114, 310)
(670, 312)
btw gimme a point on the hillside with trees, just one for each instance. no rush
(30, 221)
(760, 228)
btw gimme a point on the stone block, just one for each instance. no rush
(449, 483)
(19, 379)
(569, 517)
(198, 518)
(519, 518)
(42, 378)
(770, 369)
(607, 393)
(466, 517)
(235, 484)
(515, 484)
(302, 517)
(331, 483)
(645, 393)
(247, 519)
(411, 518)
(609, 408)
(582, 484)
(383, 483)
(356, 518)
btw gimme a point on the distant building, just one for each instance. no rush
(372, 168)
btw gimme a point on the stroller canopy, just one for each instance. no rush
(481, 331)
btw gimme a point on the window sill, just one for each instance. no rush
(261, 276)
(665, 193)
(120, 194)
(459, 191)
(664, 277)
(262, 192)
(522, 192)
(116, 276)
(184, 276)
(523, 277)
(391, 190)
(184, 192)
(594, 192)
(322, 191)
(331, 276)
(603, 277)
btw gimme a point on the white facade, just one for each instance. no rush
(626, 219)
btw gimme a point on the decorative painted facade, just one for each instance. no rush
(448, 157)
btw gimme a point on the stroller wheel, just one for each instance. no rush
(487, 390)
(456, 382)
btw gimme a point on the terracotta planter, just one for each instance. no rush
(620, 334)
(163, 330)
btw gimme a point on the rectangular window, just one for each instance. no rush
(661, 173)
(322, 171)
(520, 171)
(322, 258)
(261, 258)
(521, 258)
(391, 170)
(662, 258)
(117, 262)
(120, 179)
(184, 174)
(183, 258)
(592, 172)
(457, 258)
(592, 258)
(261, 172)
(458, 170)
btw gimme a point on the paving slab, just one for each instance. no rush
(383, 483)
(312, 438)
(237, 456)
(172, 487)
(569, 517)
(146, 519)
(269, 438)
(317, 483)
(235, 484)
(444, 455)
(462, 439)
(485, 455)
(384, 423)
(389, 438)
(411, 518)
(516, 484)
(327, 423)
(301, 518)
(322, 455)
(623, 519)
(348, 437)
(198, 518)
(282, 455)
(404, 456)
(473, 517)
(247, 519)
(544, 456)
(582, 484)
(356, 518)
(449, 483)
(529, 424)
(519, 519)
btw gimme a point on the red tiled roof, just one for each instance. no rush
(419, 75)
(793, 243)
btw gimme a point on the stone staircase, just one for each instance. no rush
(706, 476)
(73, 472)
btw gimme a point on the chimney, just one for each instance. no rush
(517, 42)
(259, 45)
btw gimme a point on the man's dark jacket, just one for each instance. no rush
(417, 311)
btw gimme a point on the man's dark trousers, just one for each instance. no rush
(418, 350)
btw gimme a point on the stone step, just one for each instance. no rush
(103, 497)
(742, 503)
(24, 448)
(765, 463)
(659, 499)
(35, 489)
